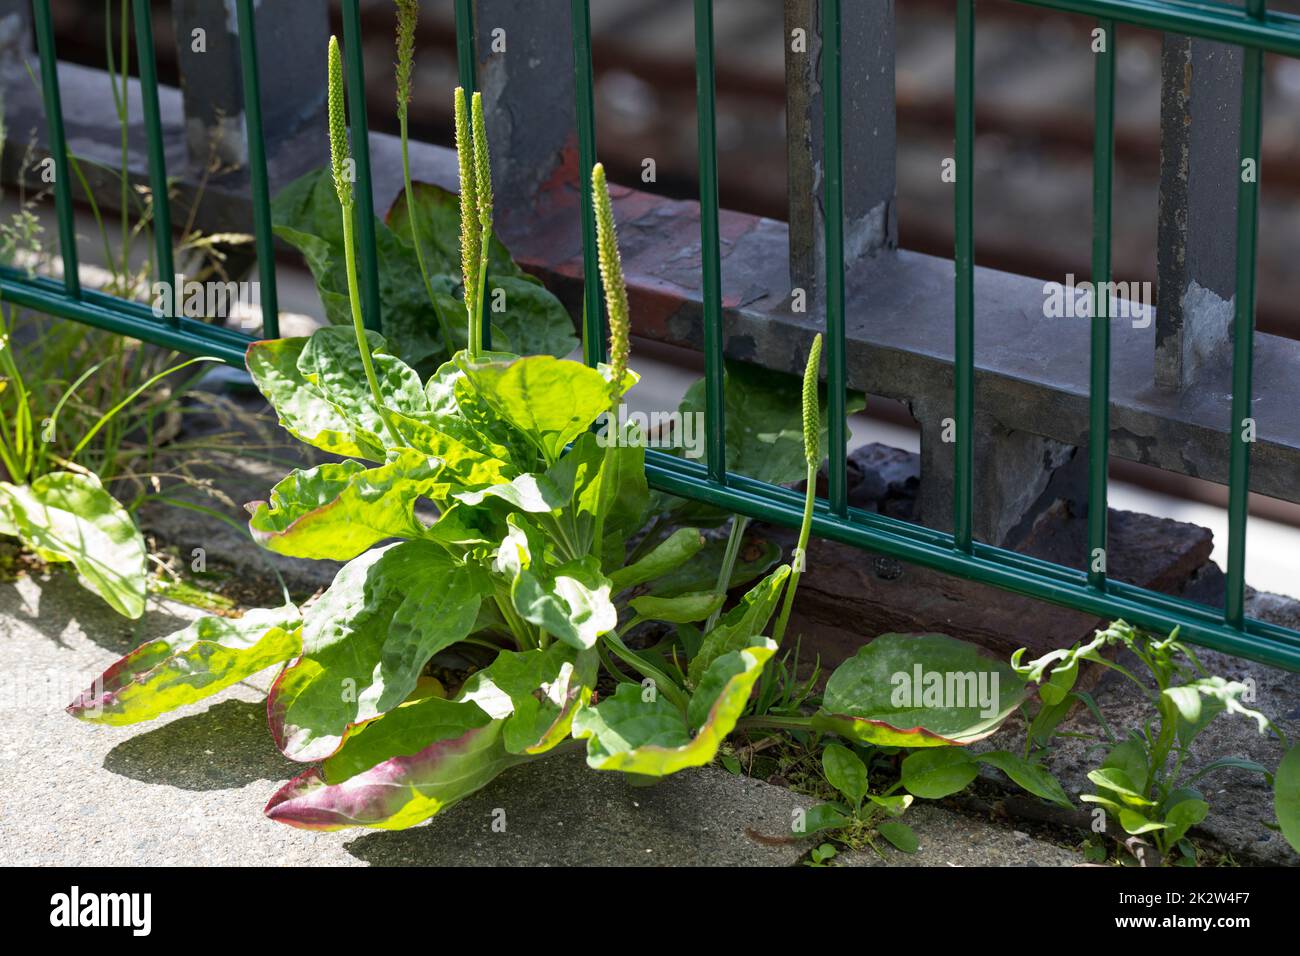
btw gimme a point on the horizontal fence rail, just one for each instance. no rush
(1251, 26)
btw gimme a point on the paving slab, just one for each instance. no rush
(955, 839)
(189, 788)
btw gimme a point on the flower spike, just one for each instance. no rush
(611, 274)
(812, 451)
(340, 152)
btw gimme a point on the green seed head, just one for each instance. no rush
(408, 12)
(470, 237)
(812, 450)
(339, 151)
(611, 275)
(482, 164)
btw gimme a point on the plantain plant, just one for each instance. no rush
(478, 508)
(524, 565)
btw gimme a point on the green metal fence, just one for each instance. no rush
(1091, 591)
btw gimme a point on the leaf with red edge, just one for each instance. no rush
(918, 690)
(207, 656)
(462, 753)
(645, 734)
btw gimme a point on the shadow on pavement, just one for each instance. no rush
(224, 748)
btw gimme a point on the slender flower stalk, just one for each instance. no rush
(739, 524)
(340, 162)
(408, 13)
(483, 195)
(620, 324)
(812, 453)
(471, 236)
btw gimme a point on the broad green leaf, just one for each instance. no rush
(305, 411)
(643, 733)
(553, 490)
(332, 362)
(529, 493)
(366, 640)
(462, 466)
(764, 423)
(666, 556)
(1129, 757)
(533, 320)
(1118, 782)
(918, 690)
(437, 213)
(460, 754)
(1286, 797)
(677, 610)
(535, 692)
(68, 516)
(846, 772)
(196, 662)
(405, 730)
(1101, 801)
(570, 602)
(741, 624)
(823, 816)
(306, 214)
(550, 400)
(938, 772)
(1184, 815)
(900, 835)
(457, 409)
(1030, 776)
(1135, 823)
(338, 510)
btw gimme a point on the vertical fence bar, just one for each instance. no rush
(964, 262)
(58, 143)
(162, 218)
(466, 54)
(1243, 328)
(356, 82)
(257, 171)
(467, 74)
(710, 253)
(1103, 170)
(593, 325)
(833, 119)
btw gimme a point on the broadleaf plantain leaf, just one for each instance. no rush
(68, 516)
(338, 510)
(366, 639)
(636, 733)
(207, 656)
(887, 693)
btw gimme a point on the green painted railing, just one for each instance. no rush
(1251, 27)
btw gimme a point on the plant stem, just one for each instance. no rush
(606, 466)
(663, 682)
(415, 236)
(800, 554)
(354, 299)
(738, 525)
